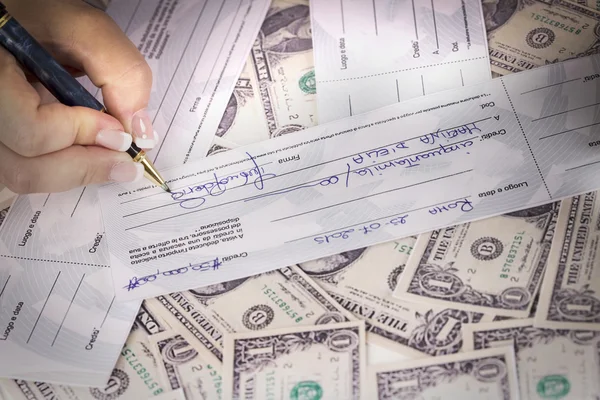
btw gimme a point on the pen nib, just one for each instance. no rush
(166, 188)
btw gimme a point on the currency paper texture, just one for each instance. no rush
(59, 318)
(370, 54)
(483, 374)
(551, 363)
(527, 34)
(363, 280)
(570, 293)
(276, 92)
(416, 166)
(277, 299)
(493, 265)
(324, 361)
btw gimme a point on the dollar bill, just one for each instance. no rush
(492, 266)
(481, 374)
(525, 34)
(315, 362)
(184, 367)
(570, 292)
(135, 376)
(363, 280)
(592, 4)
(551, 364)
(276, 299)
(276, 92)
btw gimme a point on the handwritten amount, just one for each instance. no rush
(136, 282)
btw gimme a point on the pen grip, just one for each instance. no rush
(30, 53)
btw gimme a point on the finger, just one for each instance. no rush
(31, 129)
(66, 169)
(91, 41)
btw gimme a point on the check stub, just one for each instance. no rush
(59, 319)
(508, 144)
(373, 53)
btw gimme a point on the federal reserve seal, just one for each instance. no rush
(486, 248)
(540, 38)
(306, 390)
(308, 83)
(553, 387)
(258, 317)
(116, 386)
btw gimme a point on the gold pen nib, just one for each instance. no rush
(150, 171)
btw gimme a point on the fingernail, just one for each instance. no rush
(114, 140)
(144, 135)
(127, 172)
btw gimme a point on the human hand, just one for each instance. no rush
(46, 146)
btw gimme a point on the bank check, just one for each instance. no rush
(59, 319)
(370, 54)
(512, 143)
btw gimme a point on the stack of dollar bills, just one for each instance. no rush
(502, 308)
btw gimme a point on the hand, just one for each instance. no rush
(46, 146)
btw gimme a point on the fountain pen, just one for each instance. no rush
(30, 53)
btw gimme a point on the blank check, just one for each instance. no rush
(373, 53)
(512, 143)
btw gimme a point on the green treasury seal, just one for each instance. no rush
(553, 387)
(306, 390)
(307, 83)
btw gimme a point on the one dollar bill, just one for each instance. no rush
(363, 280)
(526, 34)
(276, 92)
(315, 362)
(551, 364)
(275, 299)
(483, 374)
(570, 292)
(490, 266)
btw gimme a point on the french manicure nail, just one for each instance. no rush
(127, 172)
(113, 139)
(144, 135)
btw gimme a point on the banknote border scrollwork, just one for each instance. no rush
(432, 375)
(464, 293)
(246, 362)
(561, 296)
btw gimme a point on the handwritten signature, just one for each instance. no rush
(136, 282)
(219, 185)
